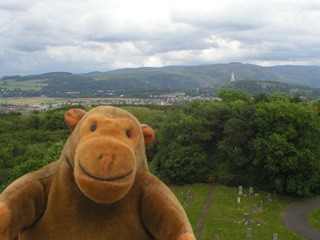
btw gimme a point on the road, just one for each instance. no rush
(295, 216)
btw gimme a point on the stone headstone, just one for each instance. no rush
(249, 233)
(250, 190)
(269, 197)
(258, 223)
(275, 236)
(246, 217)
(191, 193)
(240, 190)
(186, 202)
(252, 221)
(181, 196)
(254, 208)
(261, 204)
(238, 200)
(265, 199)
(216, 237)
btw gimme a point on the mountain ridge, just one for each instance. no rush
(168, 78)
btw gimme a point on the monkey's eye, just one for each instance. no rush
(128, 134)
(93, 127)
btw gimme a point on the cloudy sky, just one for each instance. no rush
(80, 36)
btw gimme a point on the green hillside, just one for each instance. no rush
(255, 87)
(191, 76)
(302, 75)
(137, 80)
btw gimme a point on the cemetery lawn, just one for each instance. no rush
(224, 210)
(193, 209)
(314, 219)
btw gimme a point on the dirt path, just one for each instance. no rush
(295, 216)
(205, 210)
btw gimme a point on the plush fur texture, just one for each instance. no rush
(100, 188)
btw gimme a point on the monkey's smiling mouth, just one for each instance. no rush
(103, 179)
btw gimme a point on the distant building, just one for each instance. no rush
(233, 78)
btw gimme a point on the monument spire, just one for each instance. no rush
(233, 79)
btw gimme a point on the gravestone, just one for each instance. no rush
(238, 201)
(254, 208)
(261, 204)
(216, 237)
(191, 193)
(181, 196)
(266, 199)
(275, 236)
(258, 223)
(250, 191)
(240, 190)
(246, 217)
(249, 233)
(269, 197)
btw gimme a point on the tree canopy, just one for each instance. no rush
(268, 141)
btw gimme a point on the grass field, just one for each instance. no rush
(224, 211)
(195, 205)
(46, 100)
(314, 219)
(31, 100)
(36, 84)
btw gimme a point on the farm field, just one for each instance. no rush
(35, 84)
(224, 211)
(45, 100)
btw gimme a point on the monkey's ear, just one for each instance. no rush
(148, 133)
(73, 116)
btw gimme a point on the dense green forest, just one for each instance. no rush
(269, 141)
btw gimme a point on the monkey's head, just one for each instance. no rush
(106, 149)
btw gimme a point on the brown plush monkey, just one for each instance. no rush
(99, 189)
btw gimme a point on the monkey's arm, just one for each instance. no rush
(163, 215)
(23, 201)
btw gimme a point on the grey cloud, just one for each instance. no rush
(209, 21)
(149, 39)
(230, 19)
(16, 5)
(28, 46)
(177, 41)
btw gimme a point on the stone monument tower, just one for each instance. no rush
(233, 79)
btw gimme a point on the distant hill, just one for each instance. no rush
(189, 76)
(302, 75)
(253, 87)
(215, 75)
(168, 78)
